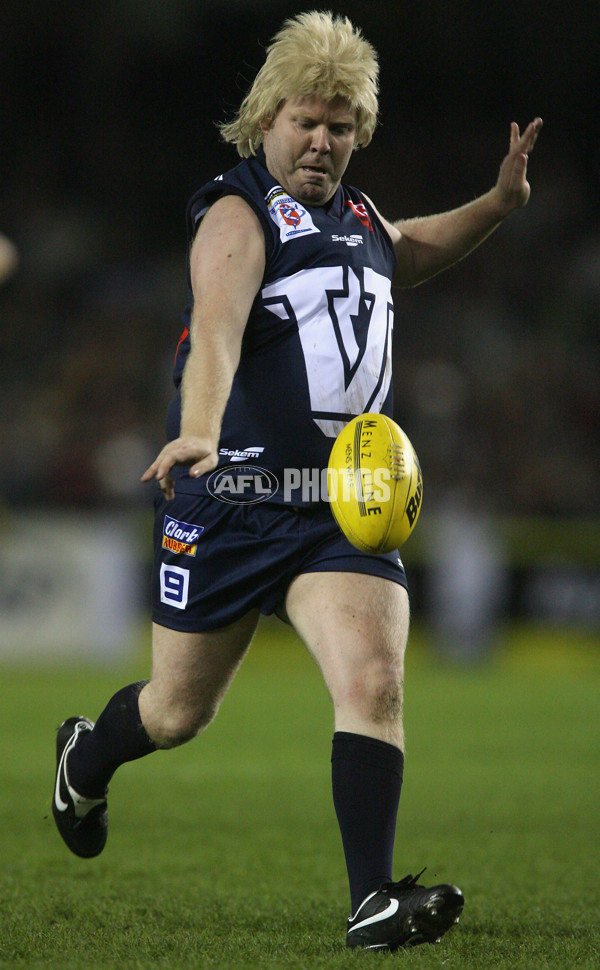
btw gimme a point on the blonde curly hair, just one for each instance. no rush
(314, 53)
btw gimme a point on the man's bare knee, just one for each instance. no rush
(177, 725)
(386, 704)
(375, 692)
(173, 733)
(171, 721)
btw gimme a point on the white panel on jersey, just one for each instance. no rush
(345, 327)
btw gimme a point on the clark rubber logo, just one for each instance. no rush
(242, 484)
(292, 219)
(181, 537)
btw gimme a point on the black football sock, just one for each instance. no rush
(118, 736)
(366, 779)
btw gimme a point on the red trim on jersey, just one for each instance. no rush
(181, 339)
(360, 211)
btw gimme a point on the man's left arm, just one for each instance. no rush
(426, 246)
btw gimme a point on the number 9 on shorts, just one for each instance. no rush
(174, 585)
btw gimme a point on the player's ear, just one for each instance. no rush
(267, 123)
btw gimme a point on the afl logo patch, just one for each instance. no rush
(291, 218)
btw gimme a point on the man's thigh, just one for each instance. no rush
(350, 622)
(192, 671)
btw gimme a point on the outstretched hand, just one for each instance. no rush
(512, 186)
(198, 453)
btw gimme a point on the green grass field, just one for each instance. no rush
(225, 853)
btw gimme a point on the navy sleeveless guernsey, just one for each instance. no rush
(317, 348)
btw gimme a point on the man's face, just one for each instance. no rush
(308, 145)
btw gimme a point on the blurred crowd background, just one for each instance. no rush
(108, 113)
(107, 122)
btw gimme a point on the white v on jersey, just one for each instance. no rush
(333, 309)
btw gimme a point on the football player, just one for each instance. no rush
(287, 337)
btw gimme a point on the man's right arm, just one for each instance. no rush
(227, 263)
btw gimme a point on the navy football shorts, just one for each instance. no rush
(214, 561)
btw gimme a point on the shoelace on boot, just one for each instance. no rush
(407, 884)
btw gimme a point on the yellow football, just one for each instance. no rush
(375, 483)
